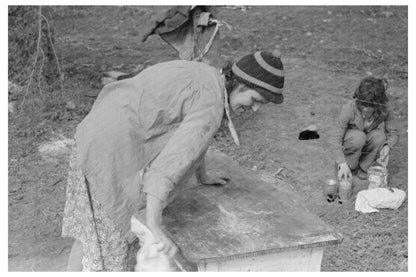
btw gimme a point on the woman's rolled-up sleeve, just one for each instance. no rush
(184, 148)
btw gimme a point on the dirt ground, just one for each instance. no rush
(326, 50)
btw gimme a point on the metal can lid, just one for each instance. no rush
(376, 168)
(331, 182)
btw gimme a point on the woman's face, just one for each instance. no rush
(243, 98)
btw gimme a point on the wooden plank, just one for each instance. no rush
(308, 259)
(245, 218)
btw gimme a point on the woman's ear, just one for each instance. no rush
(237, 88)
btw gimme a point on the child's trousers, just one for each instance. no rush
(361, 149)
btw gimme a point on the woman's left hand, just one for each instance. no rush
(205, 179)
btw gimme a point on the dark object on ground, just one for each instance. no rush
(308, 134)
(331, 198)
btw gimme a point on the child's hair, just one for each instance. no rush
(372, 93)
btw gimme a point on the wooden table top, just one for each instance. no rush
(246, 217)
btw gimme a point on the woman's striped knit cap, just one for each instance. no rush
(262, 71)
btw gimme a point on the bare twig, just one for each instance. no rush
(40, 70)
(61, 76)
(57, 182)
(378, 232)
(278, 171)
(36, 58)
(367, 52)
(88, 47)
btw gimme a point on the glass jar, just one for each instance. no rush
(331, 189)
(345, 188)
(377, 177)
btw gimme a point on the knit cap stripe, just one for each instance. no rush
(237, 71)
(266, 66)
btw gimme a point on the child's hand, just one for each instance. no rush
(384, 156)
(344, 172)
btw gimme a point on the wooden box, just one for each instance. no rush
(246, 225)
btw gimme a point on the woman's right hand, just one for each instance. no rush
(164, 243)
(154, 208)
(344, 172)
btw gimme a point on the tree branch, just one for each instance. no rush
(41, 69)
(36, 58)
(61, 76)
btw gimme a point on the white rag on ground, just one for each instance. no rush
(382, 198)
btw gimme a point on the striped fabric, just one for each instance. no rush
(264, 70)
(255, 81)
(260, 60)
